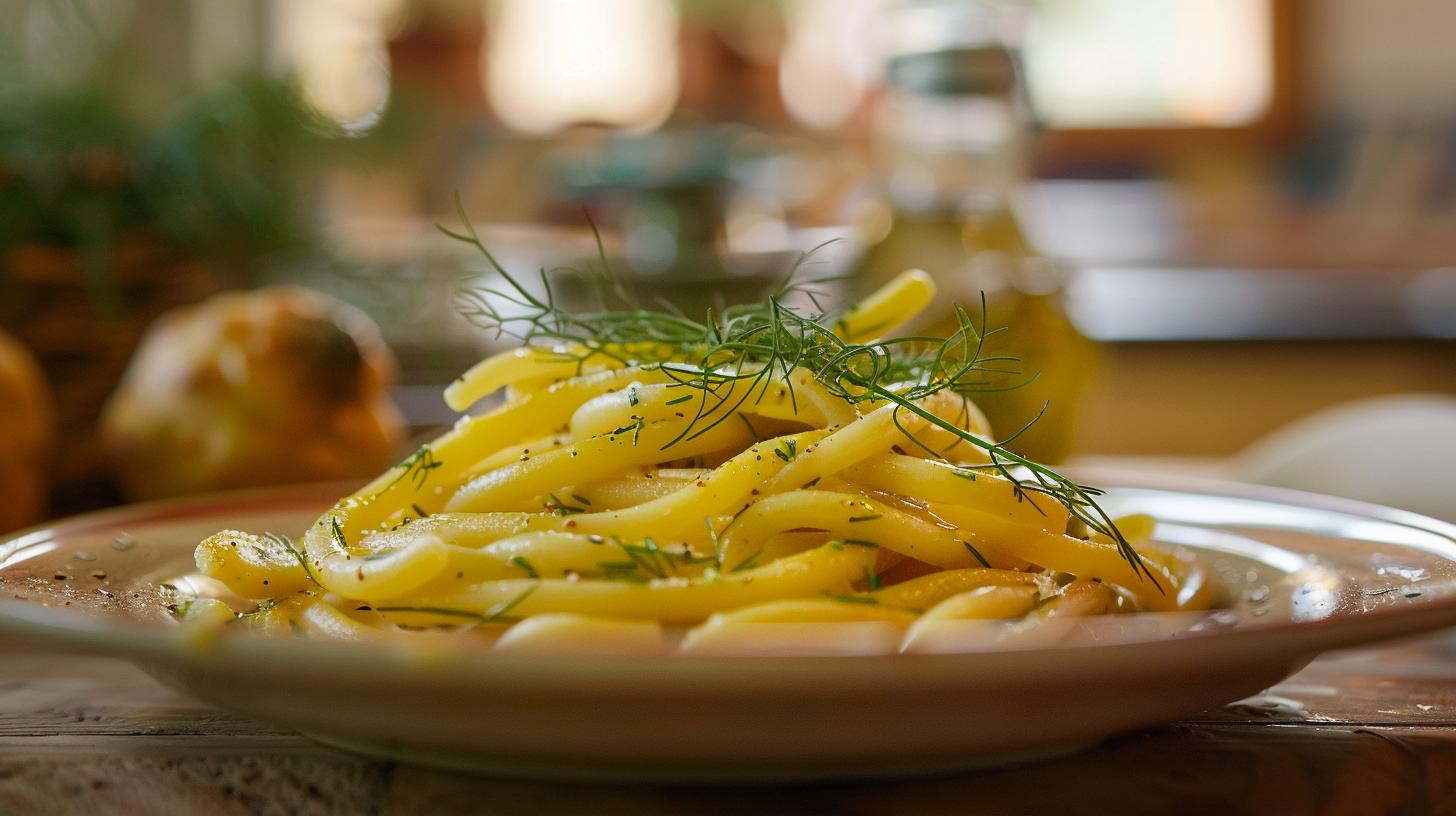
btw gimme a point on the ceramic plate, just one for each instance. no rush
(1304, 574)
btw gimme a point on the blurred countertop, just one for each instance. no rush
(1157, 262)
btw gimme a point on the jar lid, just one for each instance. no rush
(986, 70)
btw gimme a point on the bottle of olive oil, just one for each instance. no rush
(951, 133)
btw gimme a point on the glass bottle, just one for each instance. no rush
(950, 136)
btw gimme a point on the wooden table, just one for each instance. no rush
(1360, 732)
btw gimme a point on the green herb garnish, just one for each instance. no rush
(854, 599)
(525, 566)
(494, 614)
(716, 541)
(787, 450)
(338, 535)
(287, 543)
(745, 352)
(752, 431)
(647, 560)
(747, 563)
(558, 507)
(977, 553)
(417, 466)
(635, 428)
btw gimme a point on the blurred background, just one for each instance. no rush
(1199, 220)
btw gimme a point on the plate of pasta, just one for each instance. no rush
(770, 545)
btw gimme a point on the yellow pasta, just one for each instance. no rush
(632, 493)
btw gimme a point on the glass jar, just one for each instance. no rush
(951, 135)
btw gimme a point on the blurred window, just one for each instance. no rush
(337, 48)
(1151, 63)
(1115, 79)
(554, 63)
(827, 63)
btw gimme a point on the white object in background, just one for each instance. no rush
(1399, 451)
(550, 64)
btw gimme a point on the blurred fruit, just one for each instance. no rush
(25, 433)
(275, 386)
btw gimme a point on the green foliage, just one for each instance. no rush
(222, 179)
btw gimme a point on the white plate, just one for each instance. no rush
(1305, 574)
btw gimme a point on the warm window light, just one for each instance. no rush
(1111, 63)
(1090, 63)
(553, 63)
(1222, 69)
(827, 64)
(337, 49)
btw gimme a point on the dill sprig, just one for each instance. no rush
(417, 467)
(520, 561)
(976, 554)
(287, 543)
(337, 533)
(746, 352)
(647, 561)
(846, 597)
(557, 507)
(788, 450)
(495, 614)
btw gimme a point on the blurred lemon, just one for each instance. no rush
(275, 386)
(26, 425)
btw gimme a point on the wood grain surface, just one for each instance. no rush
(1361, 732)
